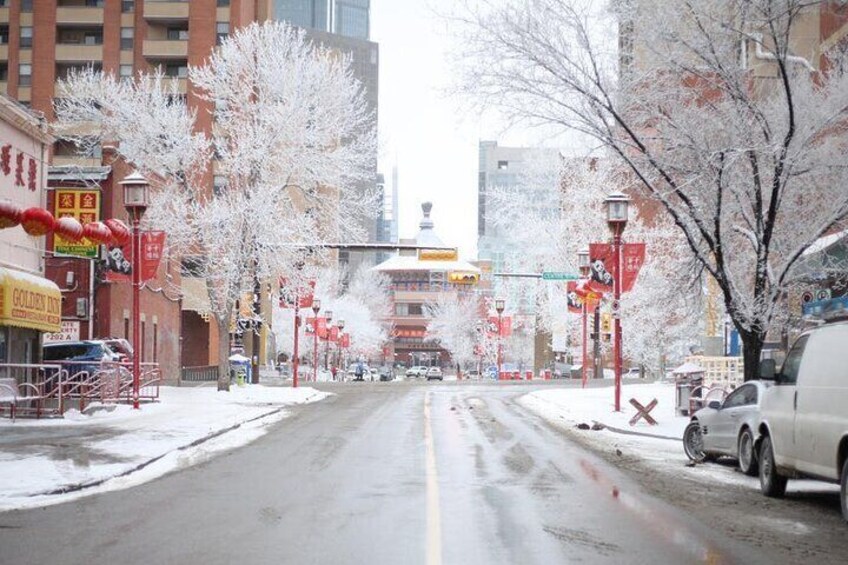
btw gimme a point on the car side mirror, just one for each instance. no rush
(768, 370)
(714, 404)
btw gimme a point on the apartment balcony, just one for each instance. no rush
(165, 48)
(4, 52)
(163, 11)
(79, 15)
(75, 53)
(4, 87)
(4, 14)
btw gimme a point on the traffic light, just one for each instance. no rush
(606, 322)
(463, 278)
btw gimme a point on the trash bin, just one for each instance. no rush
(240, 369)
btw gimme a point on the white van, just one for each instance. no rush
(804, 421)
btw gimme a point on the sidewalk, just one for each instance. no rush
(50, 461)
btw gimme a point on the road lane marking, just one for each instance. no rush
(434, 520)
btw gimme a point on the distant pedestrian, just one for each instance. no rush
(333, 370)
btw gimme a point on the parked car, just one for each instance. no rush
(416, 371)
(434, 373)
(727, 428)
(79, 356)
(387, 374)
(632, 373)
(804, 423)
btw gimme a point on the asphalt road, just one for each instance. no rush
(390, 473)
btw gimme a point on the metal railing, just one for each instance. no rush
(46, 389)
(200, 374)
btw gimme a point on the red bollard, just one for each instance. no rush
(528, 375)
(516, 375)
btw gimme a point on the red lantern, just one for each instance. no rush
(37, 221)
(97, 232)
(69, 228)
(10, 214)
(120, 231)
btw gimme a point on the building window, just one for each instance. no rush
(503, 165)
(26, 5)
(223, 3)
(4, 35)
(128, 5)
(179, 70)
(126, 328)
(26, 36)
(222, 30)
(352, 18)
(126, 71)
(142, 335)
(177, 34)
(155, 342)
(127, 37)
(4, 71)
(25, 75)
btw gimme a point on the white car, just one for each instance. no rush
(434, 373)
(416, 371)
(804, 416)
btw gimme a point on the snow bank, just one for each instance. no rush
(91, 451)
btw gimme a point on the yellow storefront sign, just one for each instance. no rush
(29, 301)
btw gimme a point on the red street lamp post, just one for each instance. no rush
(499, 306)
(584, 264)
(338, 354)
(316, 307)
(329, 317)
(136, 199)
(295, 354)
(617, 204)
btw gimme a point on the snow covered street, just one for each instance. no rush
(48, 461)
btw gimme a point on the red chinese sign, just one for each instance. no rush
(505, 326)
(119, 258)
(287, 296)
(84, 205)
(578, 293)
(345, 342)
(602, 272)
(322, 327)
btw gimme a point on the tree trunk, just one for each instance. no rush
(223, 354)
(752, 348)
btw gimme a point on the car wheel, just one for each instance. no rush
(771, 482)
(693, 443)
(844, 489)
(745, 453)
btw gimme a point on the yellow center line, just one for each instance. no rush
(434, 520)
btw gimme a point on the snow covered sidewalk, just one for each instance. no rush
(50, 461)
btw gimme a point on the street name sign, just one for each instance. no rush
(554, 276)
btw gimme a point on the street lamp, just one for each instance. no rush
(499, 306)
(584, 263)
(329, 316)
(316, 307)
(617, 205)
(340, 324)
(136, 200)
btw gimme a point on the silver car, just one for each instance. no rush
(727, 428)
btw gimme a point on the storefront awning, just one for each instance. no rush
(29, 301)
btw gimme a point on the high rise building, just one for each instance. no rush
(41, 41)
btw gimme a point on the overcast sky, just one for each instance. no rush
(421, 128)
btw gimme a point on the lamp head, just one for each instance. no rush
(136, 194)
(499, 305)
(316, 306)
(617, 206)
(329, 315)
(583, 261)
(341, 324)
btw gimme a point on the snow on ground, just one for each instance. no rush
(106, 444)
(572, 406)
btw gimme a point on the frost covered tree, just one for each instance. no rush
(455, 323)
(715, 108)
(292, 137)
(657, 319)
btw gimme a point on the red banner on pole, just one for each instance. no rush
(334, 334)
(575, 303)
(119, 258)
(602, 272)
(322, 326)
(288, 296)
(345, 341)
(505, 324)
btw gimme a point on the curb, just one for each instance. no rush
(635, 433)
(82, 486)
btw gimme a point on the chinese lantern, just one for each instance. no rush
(36, 221)
(97, 232)
(69, 228)
(10, 214)
(120, 231)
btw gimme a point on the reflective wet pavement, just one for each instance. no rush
(380, 473)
